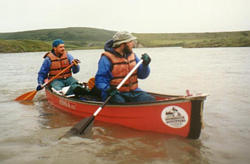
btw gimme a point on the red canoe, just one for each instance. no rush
(175, 115)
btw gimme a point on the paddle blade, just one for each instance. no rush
(27, 96)
(82, 128)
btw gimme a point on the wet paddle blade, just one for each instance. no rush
(82, 128)
(27, 96)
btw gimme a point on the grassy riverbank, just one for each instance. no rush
(90, 38)
(196, 40)
(23, 46)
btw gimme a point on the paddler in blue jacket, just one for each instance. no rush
(54, 62)
(115, 63)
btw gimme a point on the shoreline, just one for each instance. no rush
(135, 48)
(83, 38)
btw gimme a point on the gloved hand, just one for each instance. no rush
(39, 87)
(76, 61)
(146, 59)
(112, 91)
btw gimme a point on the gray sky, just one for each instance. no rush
(138, 16)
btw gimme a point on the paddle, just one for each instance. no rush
(84, 126)
(30, 95)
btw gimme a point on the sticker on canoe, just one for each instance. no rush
(67, 104)
(174, 116)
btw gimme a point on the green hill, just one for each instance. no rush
(89, 38)
(74, 37)
(196, 40)
(23, 46)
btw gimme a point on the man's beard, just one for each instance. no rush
(59, 53)
(126, 50)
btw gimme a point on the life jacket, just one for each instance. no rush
(58, 64)
(120, 68)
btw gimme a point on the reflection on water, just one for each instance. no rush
(148, 147)
(114, 143)
(50, 117)
(30, 132)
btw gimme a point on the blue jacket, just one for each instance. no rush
(104, 75)
(45, 68)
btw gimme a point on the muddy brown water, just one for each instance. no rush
(29, 132)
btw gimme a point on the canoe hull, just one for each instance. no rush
(182, 117)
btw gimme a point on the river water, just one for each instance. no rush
(29, 132)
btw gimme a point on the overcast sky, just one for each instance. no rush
(140, 16)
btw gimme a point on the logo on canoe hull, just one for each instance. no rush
(174, 116)
(67, 104)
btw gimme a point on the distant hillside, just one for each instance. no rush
(89, 38)
(71, 33)
(75, 37)
(23, 46)
(196, 40)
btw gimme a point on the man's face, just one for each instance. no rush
(128, 48)
(59, 50)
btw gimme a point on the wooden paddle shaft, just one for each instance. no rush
(119, 86)
(53, 78)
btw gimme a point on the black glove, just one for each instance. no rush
(146, 59)
(39, 87)
(112, 91)
(76, 61)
